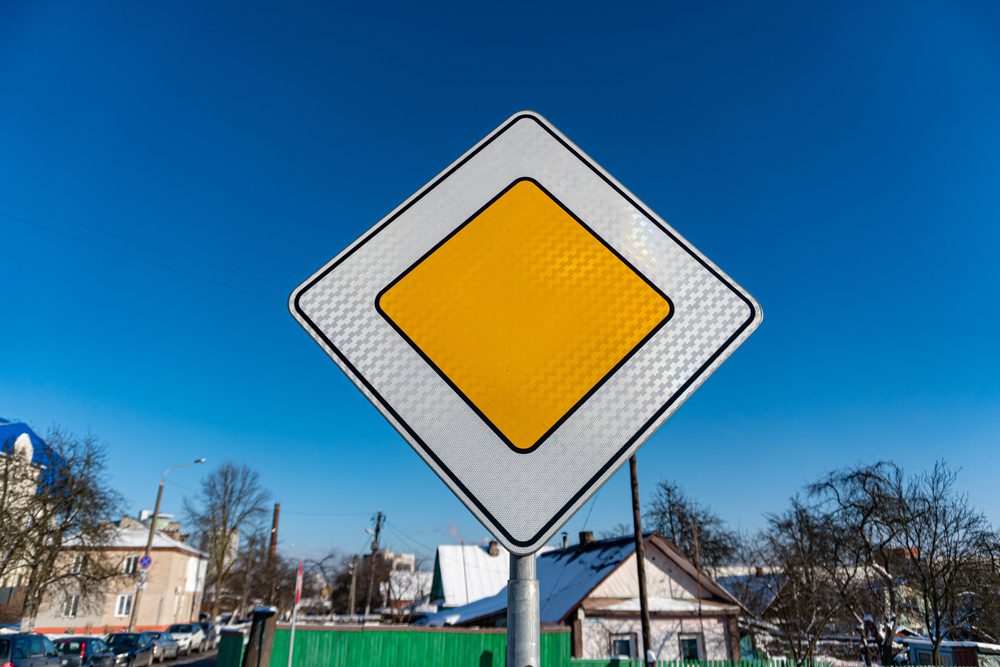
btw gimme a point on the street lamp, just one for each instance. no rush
(149, 540)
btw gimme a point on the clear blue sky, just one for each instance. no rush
(840, 160)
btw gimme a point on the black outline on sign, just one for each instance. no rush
(409, 430)
(614, 369)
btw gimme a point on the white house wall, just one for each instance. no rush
(664, 579)
(664, 635)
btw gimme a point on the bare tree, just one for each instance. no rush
(866, 510)
(947, 542)
(795, 545)
(70, 514)
(19, 481)
(674, 515)
(326, 571)
(230, 505)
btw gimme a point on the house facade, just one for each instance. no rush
(592, 587)
(23, 460)
(172, 591)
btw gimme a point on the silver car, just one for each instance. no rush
(165, 647)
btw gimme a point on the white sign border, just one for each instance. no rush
(631, 445)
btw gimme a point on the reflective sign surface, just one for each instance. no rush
(525, 323)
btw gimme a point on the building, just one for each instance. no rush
(592, 587)
(405, 591)
(172, 594)
(25, 460)
(464, 573)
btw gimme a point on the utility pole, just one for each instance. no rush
(141, 584)
(354, 577)
(272, 554)
(640, 562)
(371, 563)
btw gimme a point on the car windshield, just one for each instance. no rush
(181, 628)
(68, 646)
(4, 648)
(123, 641)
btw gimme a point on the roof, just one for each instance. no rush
(756, 592)
(135, 538)
(42, 455)
(464, 573)
(567, 576)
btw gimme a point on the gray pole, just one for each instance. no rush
(134, 615)
(523, 622)
(350, 599)
(371, 565)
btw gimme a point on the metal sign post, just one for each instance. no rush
(295, 614)
(523, 616)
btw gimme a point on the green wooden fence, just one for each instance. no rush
(427, 647)
(615, 662)
(396, 647)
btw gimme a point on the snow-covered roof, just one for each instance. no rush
(756, 592)
(926, 641)
(15, 436)
(464, 573)
(135, 538)
(567, 576)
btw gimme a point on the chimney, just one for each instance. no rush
(586, 536)
(494, 549)
(565, 536)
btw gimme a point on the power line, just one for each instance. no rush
(406, 538)
(129, 239)
(326, 513)
(136, 257)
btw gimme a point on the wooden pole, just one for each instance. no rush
(640, 562)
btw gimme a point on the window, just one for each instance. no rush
(130, 564)
(623, 646)
(37, 646)
(71, 606)
(123, 605)
(692, 648)
(77, 564)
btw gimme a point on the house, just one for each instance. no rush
(464, 573)
(25, 462)
(592, 587)
(405, 590)
(172, 594)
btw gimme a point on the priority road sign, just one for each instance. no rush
(525, 323)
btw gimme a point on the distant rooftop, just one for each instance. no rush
(42, 455)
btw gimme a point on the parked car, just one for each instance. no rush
(211, 635)
(165, 647)
(189, 635)
(131, 649)
(85, 652)
(26, 649)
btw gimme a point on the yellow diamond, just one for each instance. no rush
(524, 311)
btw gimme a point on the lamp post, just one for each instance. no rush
(149, 541)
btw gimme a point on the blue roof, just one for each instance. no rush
(43, 455)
